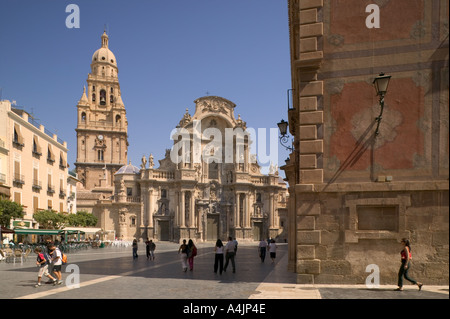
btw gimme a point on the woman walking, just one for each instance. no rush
(218, 259)
(404, 268)
(183, 250)
(192, 252)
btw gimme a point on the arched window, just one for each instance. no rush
(102, 97)
(213, 170)
(118, 120)
(93, 97)
(83, 117)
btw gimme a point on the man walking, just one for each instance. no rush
(230, 251)
(57, 263)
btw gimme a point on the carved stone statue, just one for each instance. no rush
(144, 162)
(151, 164)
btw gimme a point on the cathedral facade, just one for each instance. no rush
(208, 185)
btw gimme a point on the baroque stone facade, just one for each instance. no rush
(201, 190)
(355, 194)
(199, 200)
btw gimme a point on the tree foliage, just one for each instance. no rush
(50, 219)
(8, 210)
(82, 219)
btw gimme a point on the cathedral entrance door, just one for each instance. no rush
(257, 231)
(212, 227)
(163, 226)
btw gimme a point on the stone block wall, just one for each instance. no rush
(353, 193)
(331, 247)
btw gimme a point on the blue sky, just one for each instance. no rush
(169, 53)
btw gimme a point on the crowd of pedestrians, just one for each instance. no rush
(50, 258)
(224, 255)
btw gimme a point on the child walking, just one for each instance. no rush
(42, 263)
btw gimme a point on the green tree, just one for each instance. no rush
(50, 219)
(8, 210)
(82, 219)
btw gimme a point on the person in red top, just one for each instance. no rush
(404, 268)
(42, 263)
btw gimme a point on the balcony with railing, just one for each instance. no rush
(17, 141)
(127, 199)
(37, 185)
(50, 190)
(62, 193)
(163, 175)
(19, 179)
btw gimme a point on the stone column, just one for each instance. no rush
(192, 211)
(143, 215)
(150, 208)
(238, 211)
(177, 208)
(271, 212)
(182, 210)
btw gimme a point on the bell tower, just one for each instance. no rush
(102, 127)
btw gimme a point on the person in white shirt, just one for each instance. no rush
(218, 259)
(229, 254)
(262, 248)
(57, 263)
(273, 250)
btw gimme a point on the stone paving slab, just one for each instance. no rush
(111, 273)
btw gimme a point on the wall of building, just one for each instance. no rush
(356, 193)
(37, 178)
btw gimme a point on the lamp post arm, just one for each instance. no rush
(378, 119)
(283, 140)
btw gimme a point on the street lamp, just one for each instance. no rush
(283, 125)
(381, 84)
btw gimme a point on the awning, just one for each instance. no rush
(71, 232)
(82, 230)
(5, 230)
(38, 231)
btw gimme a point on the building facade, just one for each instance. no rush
(34, 164)
(102, 138)
(203, 200)
(190, 199)
(354, 193)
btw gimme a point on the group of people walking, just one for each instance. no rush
(227, 252)
(269, 246)
(149, 249)
(188, 252)
(49, 261)
(224, 254)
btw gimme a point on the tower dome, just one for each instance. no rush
(104, 54)
(128, 169)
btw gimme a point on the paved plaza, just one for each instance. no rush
(111, 273)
